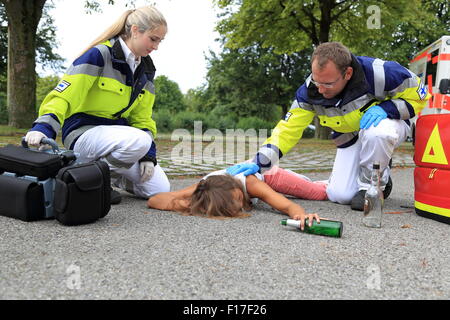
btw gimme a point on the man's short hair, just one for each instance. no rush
(332, 51)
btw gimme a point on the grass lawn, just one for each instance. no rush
(165, 145)
(165, 142)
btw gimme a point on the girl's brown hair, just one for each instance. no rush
(213, 197)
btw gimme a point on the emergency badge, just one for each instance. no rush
(422, 91)
(287, 116)
(63, 85)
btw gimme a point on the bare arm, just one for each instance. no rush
(172, 201)
(259, 189)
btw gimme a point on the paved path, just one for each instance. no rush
(202, 163)
(137, 253)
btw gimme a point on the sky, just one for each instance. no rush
(180, 57)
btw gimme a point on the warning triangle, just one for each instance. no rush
(434, 151)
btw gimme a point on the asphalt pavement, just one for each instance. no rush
(138, 253)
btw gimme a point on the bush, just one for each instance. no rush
(221, 123)
(309, 132)
(255, 123)
(43, 87)
(186, 119)
(164, 120)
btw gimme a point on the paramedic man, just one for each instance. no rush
(103, 104)
(367, 102)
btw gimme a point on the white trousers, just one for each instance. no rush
(353, 165)
(122, 147)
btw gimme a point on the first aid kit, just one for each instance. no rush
(29, 185)
(432, 172)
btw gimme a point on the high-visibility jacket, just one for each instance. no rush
(374, 82)
(99, 88)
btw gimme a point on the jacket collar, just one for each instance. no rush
(355, 88)
(119, 56)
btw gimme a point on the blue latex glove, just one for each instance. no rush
(372, 116)
(246, 168)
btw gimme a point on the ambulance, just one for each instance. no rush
(431, 137)
(432, 65)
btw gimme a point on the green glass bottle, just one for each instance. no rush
(329, 228)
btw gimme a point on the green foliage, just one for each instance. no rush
(3, 105)
(199, 99)
(406, 28)
(164, 120)
(168, 95)
(186, 119)
(255, 123)
(292, 25)
(46, 42)
(255, 81)
(43, 87)
(308, 133)
(3, 109)
(221, 123)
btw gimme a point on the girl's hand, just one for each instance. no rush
(309, 216)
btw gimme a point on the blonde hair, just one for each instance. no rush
(145, 18)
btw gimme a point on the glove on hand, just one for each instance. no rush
(372, 116)
(33, 138)
(246, 168)
(147, 170)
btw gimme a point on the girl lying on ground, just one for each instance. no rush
(219, 194)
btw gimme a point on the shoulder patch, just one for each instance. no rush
(63, 85)
(287, 116)
(422, 91)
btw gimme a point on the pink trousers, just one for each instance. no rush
(290, 183)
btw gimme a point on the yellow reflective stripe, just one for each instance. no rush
(429, 208)
(411, 96)
(287, 133)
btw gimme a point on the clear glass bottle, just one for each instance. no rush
(374, 200)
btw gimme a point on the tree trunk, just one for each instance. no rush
(23, 19)
(324, 133)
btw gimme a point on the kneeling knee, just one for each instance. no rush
(339, 196)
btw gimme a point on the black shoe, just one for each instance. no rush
(358, 201)
(388, 188)
(116, 197)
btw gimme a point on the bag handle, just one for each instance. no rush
(52, 143)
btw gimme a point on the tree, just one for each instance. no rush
(255, 81)
(199, 99)
(45, 44)
(43, 86)
(399, 38)
(23, 18)
(291, 26)
(168, 95)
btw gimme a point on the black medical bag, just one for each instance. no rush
(36, 185)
